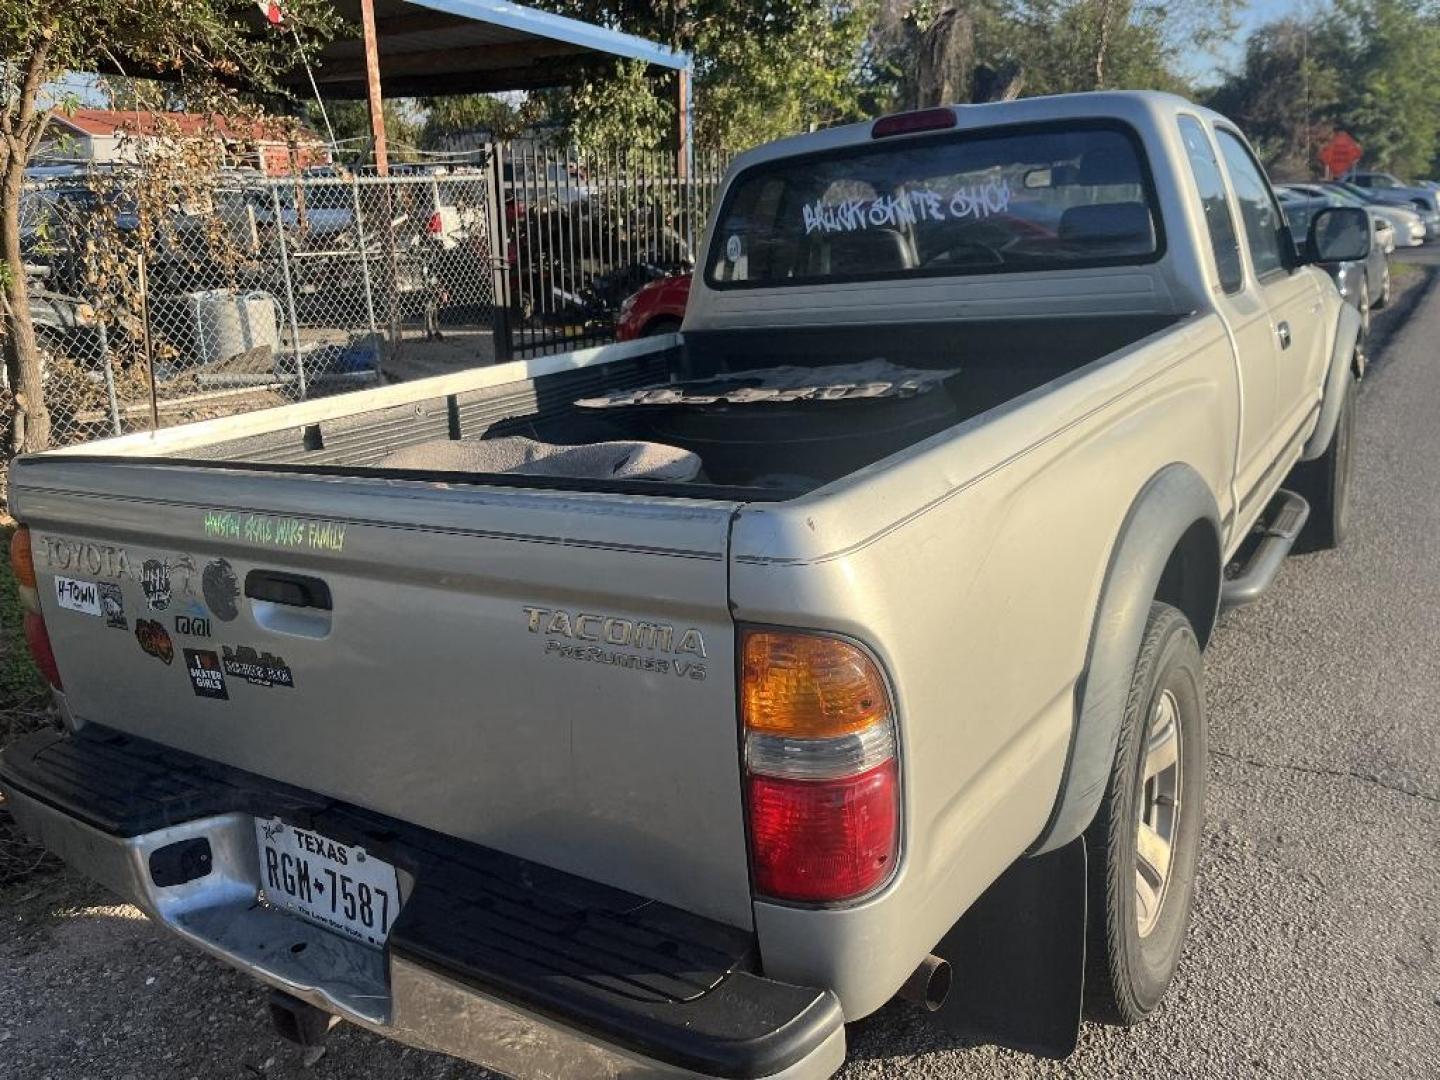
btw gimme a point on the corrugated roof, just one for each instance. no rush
(431, 47)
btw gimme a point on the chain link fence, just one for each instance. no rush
(160, 298)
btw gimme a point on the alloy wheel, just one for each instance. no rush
(1158, 812)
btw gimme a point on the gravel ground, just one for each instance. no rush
(1316, 946)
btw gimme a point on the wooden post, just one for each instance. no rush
(682, 124)
(372, 86)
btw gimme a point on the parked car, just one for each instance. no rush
(876, 651)
(1380, 197)
(1365, 284)
(657, 308)
(1408, 225)
(1387, 184)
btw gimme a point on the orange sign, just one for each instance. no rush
(1340, 154)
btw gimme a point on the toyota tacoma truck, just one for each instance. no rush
(659, 708)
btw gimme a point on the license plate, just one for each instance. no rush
(336, 885)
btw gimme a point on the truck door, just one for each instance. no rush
(1288, 291)
(1244, 308)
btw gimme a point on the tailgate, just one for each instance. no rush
(546, 673)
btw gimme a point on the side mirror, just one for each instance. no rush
(1339, 234)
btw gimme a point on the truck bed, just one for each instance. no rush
(993, 362)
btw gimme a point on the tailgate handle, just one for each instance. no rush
(292, 590)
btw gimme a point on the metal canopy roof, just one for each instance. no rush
(436, 47)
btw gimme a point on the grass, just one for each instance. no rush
(21, 686)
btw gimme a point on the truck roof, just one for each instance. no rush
(1132, 105)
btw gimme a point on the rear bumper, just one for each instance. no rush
(569, 981)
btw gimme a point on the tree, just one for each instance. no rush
(1285, 95)
(763, 69)
(350, 122)
(207, 46)
(1372, 69)
(1389, 53)
(461, 114)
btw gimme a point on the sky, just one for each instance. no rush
(1210, 68)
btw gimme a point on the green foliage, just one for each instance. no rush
(1371, 68)
(21, 685)
(763, 69)
(350, 121)
(1285, 95)
(1389, 54)
(617, 111)
(462, 113)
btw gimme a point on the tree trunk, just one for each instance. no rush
(1102, 44)
(947, 60)
(30, 419)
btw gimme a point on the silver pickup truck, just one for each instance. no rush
(656, 709)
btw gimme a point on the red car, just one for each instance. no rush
(657, 308)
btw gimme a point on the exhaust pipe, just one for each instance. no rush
(929, 984)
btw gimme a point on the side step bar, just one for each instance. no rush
(1278, 531)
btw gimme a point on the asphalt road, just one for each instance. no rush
(1316, 945)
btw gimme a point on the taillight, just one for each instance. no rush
(22, 565)
(38, 638)
(434, 224)
(822, 780)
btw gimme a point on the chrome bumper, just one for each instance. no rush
(391, 995)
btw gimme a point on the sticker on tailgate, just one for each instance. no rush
(206, 674)
(258, 669)
(81, 596)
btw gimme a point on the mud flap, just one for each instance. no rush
(1019, 957)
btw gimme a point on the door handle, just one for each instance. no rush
(289, 603)
(1283, 330)
(293, 590)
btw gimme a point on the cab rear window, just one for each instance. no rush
(962, 203)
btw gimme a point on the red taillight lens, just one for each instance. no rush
(823, 782)
(435, 224)
(816, 840)
(38, 638)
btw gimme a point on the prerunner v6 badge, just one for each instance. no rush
(206, 675)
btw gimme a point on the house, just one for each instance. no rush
(117, 137)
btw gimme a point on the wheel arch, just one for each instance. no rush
(1343, 360)
(1169, 549)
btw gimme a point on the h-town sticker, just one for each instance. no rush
(81, 596)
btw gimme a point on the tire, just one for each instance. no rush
(1386, 289)
(1325, 482)
(1133, 947)
(1364, 310)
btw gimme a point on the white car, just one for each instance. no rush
(1408, 225)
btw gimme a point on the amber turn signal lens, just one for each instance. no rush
(809, 686)
(22, 559)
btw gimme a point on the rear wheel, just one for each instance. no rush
(1386, 289)
(1144, 841)
(1325, 482)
